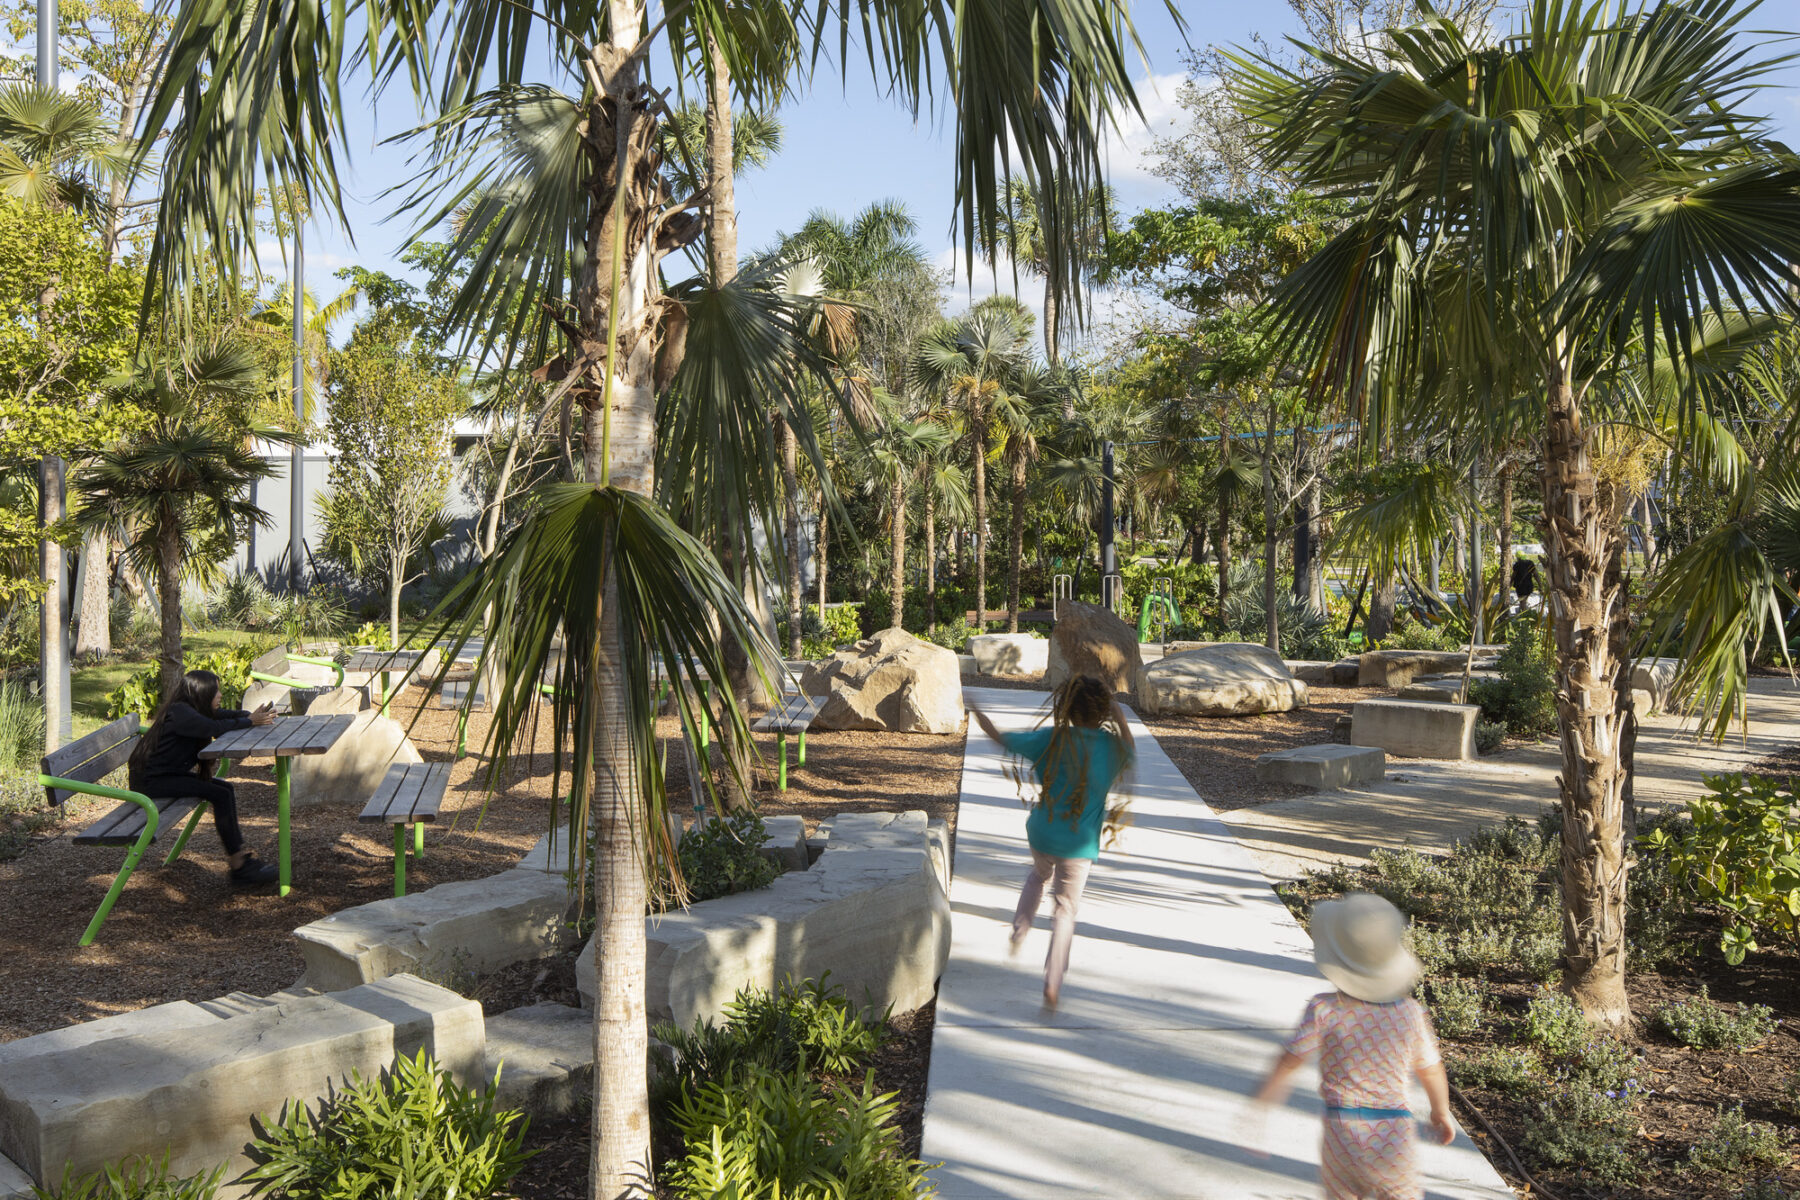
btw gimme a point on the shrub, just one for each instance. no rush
(1587, 1131)
(1523, 699)
(411, 1132)
(135, 1179)
(764, 1135)
(1305, 631)
(1410, 634)
(21, 727)
(1763, 1189)
(1608, 1065)
(142, 693)
(1661, 925)
(811, 1024)
(952, 635)
(317, 613)
(1737, 1146)
(724, 856)
(1489, 736)
(1702, 1024)
(1555, 1025)
(242, 601)
(1509, 1070)
(1740, 851)
(1456, 1006)
(1432, 948)
(1516, 841)
(373, 634)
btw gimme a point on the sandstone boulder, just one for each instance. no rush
(1091, 640)
(892, 681)
(1311, 670)
(1009, 653)
(353, 768)
(1398, 668)
(1224, 680)
(1656, 676)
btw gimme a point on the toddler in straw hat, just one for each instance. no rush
(1369, 1036)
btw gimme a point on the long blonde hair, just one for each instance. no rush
(1080, 702)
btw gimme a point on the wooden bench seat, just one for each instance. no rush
(794, 715)
(410, 794)
(137, 821)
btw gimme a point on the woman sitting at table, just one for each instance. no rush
(166, 764)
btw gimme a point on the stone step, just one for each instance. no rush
(545, 1056)
(192, 1091)
(1326, 767)
(15, 1184)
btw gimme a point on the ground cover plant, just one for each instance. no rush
(1696, 1101)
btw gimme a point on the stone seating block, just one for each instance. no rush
(477, 925)
(354, 767)
(157, 1019)
(967, 667)
(545, 1056)
(873, 911)
(1326, 766)
(1415, 729)
(1346, 672)
(1656, 676)
(786, 844)
(1009, 653)
(1397, 668)
(193, 1091)
(1311, 671)
(15, 1184)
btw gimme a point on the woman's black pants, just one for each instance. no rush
(215, 792)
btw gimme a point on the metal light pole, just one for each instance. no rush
(53, 561)
(1109, 557)
(297, 458)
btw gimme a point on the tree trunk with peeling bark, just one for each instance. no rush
(897, 558)
(94, 631)
(168, 595)
(930, 560)
(1016, 549)
(981, 515)
(1585, 597)
(790, 490)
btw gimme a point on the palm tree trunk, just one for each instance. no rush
(1016, 551)
(1507, 468)
(1585, 604)
(930, 559)
(1271, 614)
(790, 487)
(897, 563)
(823, 559)
(1052, 340)
(981, 539)
(168, 594)
(95, 632)
(1224, 519)
(622, 133)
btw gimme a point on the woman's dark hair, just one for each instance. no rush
(199, 690)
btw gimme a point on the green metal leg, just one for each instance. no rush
(400, 860)
(781, 782)
(385, 694)
(462, 730)
(802, 748)
(284, 827)
(419, 840)
(705, 716)
(187, 831)
(131, 861)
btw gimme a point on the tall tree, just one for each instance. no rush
(1531, 212)
(1027, 244)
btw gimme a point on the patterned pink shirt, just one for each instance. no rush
(1366, 1051)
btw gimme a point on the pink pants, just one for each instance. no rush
(1067, 877)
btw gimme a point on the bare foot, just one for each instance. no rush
(1050, 998)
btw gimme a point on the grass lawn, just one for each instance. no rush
(88, 685)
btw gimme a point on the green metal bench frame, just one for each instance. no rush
(310, 661)
(114, 743)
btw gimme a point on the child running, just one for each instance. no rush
(1369, 1036)
(166, 764)
(1076, 761)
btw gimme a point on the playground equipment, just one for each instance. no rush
(1159, 607)
(1062, 587)
(1112, 592)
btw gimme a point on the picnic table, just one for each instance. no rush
(385, 662)
(282, 738)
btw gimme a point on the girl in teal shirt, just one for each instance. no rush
(1076, 760)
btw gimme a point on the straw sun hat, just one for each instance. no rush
(1359, 944)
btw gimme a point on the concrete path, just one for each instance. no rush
(1187, 973)
(1432, 804)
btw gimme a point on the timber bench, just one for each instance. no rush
(794, 715)
(78, 768)
(410, 794)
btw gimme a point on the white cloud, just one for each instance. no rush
(1128, 147)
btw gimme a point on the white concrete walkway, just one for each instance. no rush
(1187, 973)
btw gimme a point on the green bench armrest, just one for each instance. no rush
(337, 670)
(151, 816)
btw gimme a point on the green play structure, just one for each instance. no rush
(1158, 602)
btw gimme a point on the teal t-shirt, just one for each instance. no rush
(1106, 759)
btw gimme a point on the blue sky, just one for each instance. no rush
(845, 146)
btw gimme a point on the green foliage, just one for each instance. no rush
(1194, 586)
(1510, 1070)
(1409, 634)
(1703, 1024)
(1735, 1146)
(374, 635)
(1523, 699)
(242, 601)
(21, 727)
(1587, 1131)
(135, 1179)
(413, 1131)
(142, 693)
(1740, 851)
(724, 855)
(1490, 736)
(953, 634)
(841, 625)
(1555, 1025)
(1306, 633)
(318, 612)
(1456, 1006)
(1763, 1189)
(768, 1135)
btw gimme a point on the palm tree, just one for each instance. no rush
(185, 476)
(898, 453)
(1034, 398)
(1027, 244)
(968, 363)
(568, 223)
(1530, 213)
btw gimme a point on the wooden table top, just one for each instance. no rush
(283, 737)
(383, 660)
